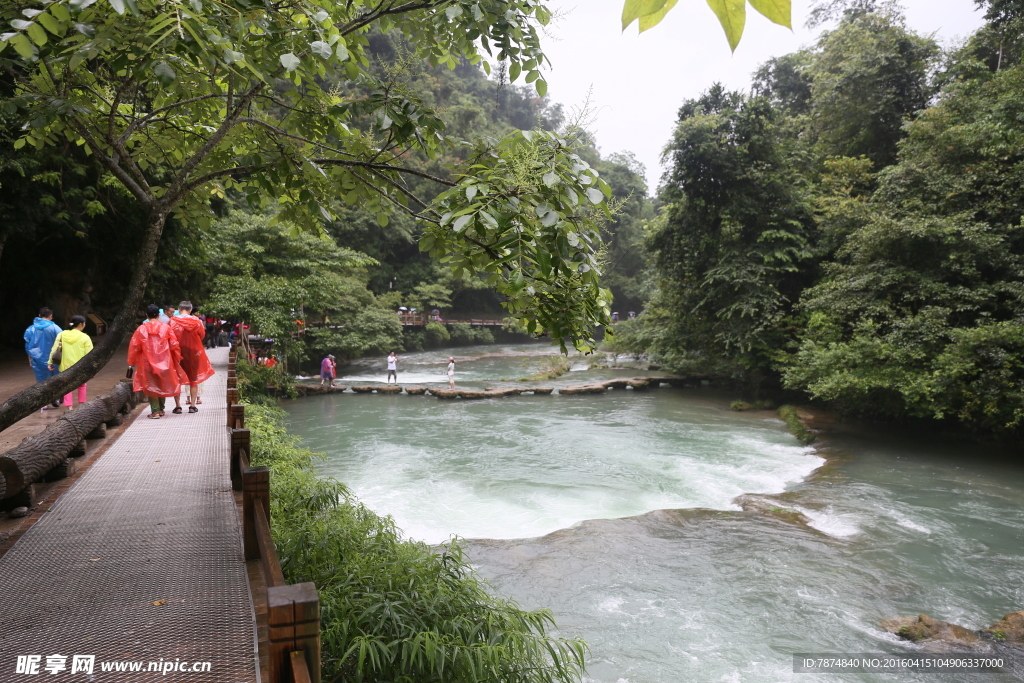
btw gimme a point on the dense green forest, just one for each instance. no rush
(71, 246)
(850, 229)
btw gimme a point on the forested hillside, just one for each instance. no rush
(851, 228)
(74, 237)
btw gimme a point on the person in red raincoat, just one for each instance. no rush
(156, 356)
(189, 330)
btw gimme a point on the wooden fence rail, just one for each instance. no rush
(293, 611)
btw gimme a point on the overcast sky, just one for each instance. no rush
(639, 81)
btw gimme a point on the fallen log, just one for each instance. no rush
(36, 455)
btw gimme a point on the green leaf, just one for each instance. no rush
(50, 24)
(22, 44)
(461, 222)
(341, 51)
(550, 179)
(118, 6)
(164, 73)
(290, 62)
(595, 195)
(634, 9)
(230, 56)
(654, 18)
(60, 11)
(514, 70)
(549, 219)
(777, 11)
(321, 49)
(542, 87)
(37, 34)
(732, 15)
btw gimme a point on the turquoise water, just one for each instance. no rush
(619, 513)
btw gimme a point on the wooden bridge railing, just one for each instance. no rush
(293, 611)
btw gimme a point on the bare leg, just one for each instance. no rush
(193, 393)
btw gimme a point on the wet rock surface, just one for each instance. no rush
(1009, 629)
(936, 635)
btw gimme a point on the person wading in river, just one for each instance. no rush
(451, 372)
(156, 356)
(189, 331)
(392, 368)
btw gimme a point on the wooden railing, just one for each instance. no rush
(293, 611)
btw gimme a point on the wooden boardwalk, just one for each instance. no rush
(139, 564)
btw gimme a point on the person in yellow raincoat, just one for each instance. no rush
(73, 345)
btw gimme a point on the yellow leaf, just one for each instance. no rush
(95, 559)
(634, 9)
(732, 15)
(777, 11)
(653, 19)
(159, 602)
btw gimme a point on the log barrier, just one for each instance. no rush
(44, 456)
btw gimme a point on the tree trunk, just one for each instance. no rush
(35, 397)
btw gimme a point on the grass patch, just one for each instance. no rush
(552, 368)
(796, 427)
(394, 609)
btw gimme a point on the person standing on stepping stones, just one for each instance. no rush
(328, 370)
(155, 354)
(451, 372)
(392, 368)
(189, 331)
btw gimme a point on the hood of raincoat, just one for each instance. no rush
(39, 340)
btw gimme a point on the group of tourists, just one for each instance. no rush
(51, 350)
(167, 353)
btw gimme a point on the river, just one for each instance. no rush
(620, 513)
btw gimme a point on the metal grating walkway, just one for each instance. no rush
(152, 520)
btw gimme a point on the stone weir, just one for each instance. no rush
(634, 383)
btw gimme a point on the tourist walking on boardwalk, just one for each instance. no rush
(189, 331)
(451, 372)
(328, 370)
(392, 368)
(156, 356)
(69, 347)
(39, 338)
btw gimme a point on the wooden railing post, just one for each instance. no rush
(232, 382)
(236, 416)
(255, 491)
(232, 396)
(241, 440)
(293, 621)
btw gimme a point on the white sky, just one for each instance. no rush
(639, 82)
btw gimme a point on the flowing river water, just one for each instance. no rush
(622, 514)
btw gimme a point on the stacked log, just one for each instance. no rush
(36, 455)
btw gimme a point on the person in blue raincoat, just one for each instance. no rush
(38, 341)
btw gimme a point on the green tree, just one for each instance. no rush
(920, 313)
(734, 248)
(182, 102)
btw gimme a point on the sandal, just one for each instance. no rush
(177, 410)
(162, 413)
(198, 400)
(154, 416)
(193, 409)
